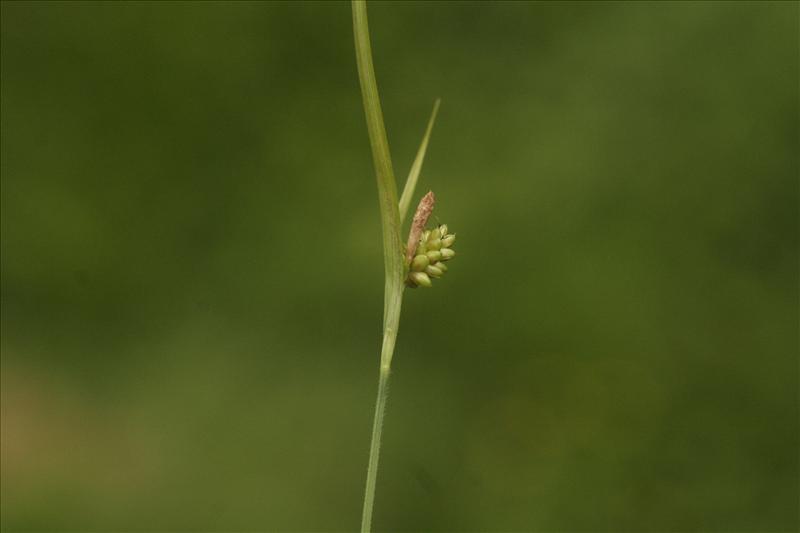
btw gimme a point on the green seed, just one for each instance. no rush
(446, 254)
(420, 262)
(448, 241)
(420, 278)
(434, 255)
(434, 272)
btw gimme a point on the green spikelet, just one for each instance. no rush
(434, 247)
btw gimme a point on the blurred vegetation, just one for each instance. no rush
(192, 280)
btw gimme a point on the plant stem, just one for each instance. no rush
(393, 250)
(387, 349)
(375, 450)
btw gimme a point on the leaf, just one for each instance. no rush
(393, 256)
(416, 167)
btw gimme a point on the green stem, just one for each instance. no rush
(375, 450)
(393, 250)
(389, 337)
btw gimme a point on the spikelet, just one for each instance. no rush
(433, 249)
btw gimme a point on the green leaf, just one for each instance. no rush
(394, 261)
(416, 167)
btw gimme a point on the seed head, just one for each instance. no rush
(428, 259)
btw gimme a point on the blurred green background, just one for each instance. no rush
(192, 269)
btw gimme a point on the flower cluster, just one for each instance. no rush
(433, 250)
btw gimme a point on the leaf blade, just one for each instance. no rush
(416, 167)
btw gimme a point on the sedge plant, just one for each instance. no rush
(409, 265)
